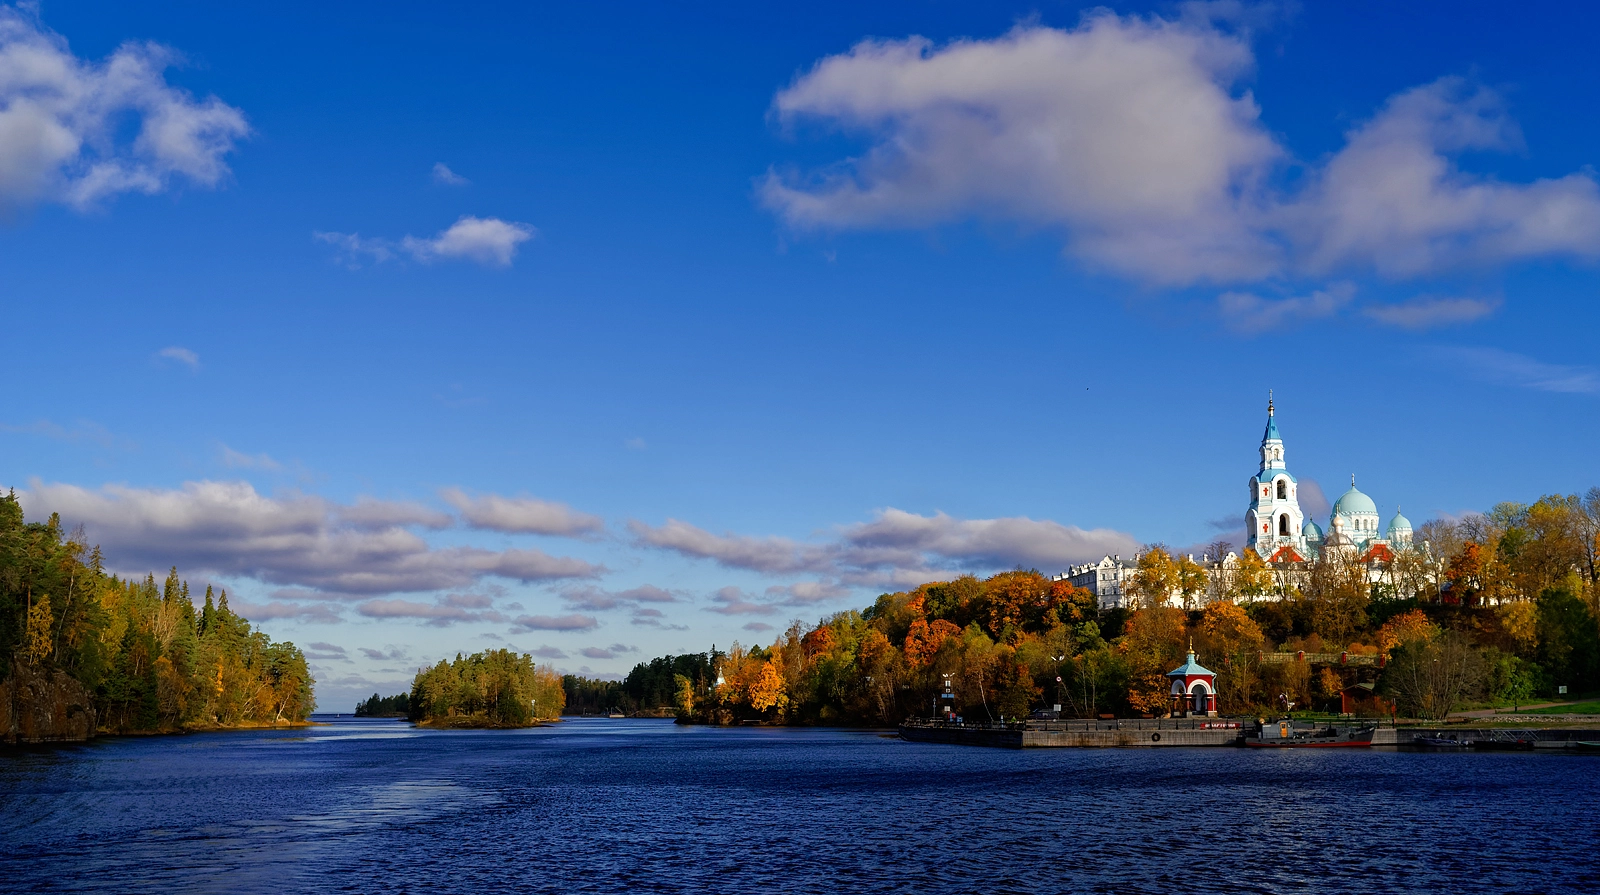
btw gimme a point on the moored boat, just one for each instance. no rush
(1285, 735)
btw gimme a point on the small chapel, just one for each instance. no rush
(1194, 689)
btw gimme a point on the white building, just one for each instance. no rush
(1279, 531)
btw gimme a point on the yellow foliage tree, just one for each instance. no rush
(1404, 628)
(38, 643)
(767, 690)
(1521, 621)
(1155, 580)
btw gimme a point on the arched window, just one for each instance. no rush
(1283, 489)
(1283, 525)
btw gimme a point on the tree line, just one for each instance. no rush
(649, 688)
(149, 660)
(1499, 607)
(398, 706)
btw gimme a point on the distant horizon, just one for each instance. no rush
(608, 334)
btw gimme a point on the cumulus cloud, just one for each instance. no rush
(1250, 313)
(484, 240)
(373, 515)
(180, 355)
(488, 241)
(79, 132)
(1132, 136)
(443, 175)
(1124, 130)
(525, 515)
(1393, 200)
(758, 627)
(549, 652)
(573, 622)
(1430, 312)
(1518, 370)
(229, 529)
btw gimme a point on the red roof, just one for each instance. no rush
(1286, 553)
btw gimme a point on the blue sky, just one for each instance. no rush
(606, 333)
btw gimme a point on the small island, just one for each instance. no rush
(491, 689)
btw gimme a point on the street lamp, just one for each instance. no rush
(1059, 686)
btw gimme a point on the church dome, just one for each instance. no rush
(1399, 525)
(1353, 502)
(1310, 531)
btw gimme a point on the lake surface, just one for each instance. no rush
(645, 806)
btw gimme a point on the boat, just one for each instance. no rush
(1285, 735)
(1441, 744)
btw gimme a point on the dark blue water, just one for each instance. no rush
(643, 806)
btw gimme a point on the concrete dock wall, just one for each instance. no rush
(1083, 734)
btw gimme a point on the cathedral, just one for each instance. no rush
(1279, 531)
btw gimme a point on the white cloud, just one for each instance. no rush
(488, 241)
(443, 175)
(371, 515)
(1250, 313)
(1521, 371)
(528, 515)
(549, 652)
(1394, 201)
(484, 240)
(181, 355)
(1430, 312)
(758, 627)
(229, 529)
(78, 132)
(1132, 136)
(239, 460)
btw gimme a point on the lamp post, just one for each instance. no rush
(1059, 686)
